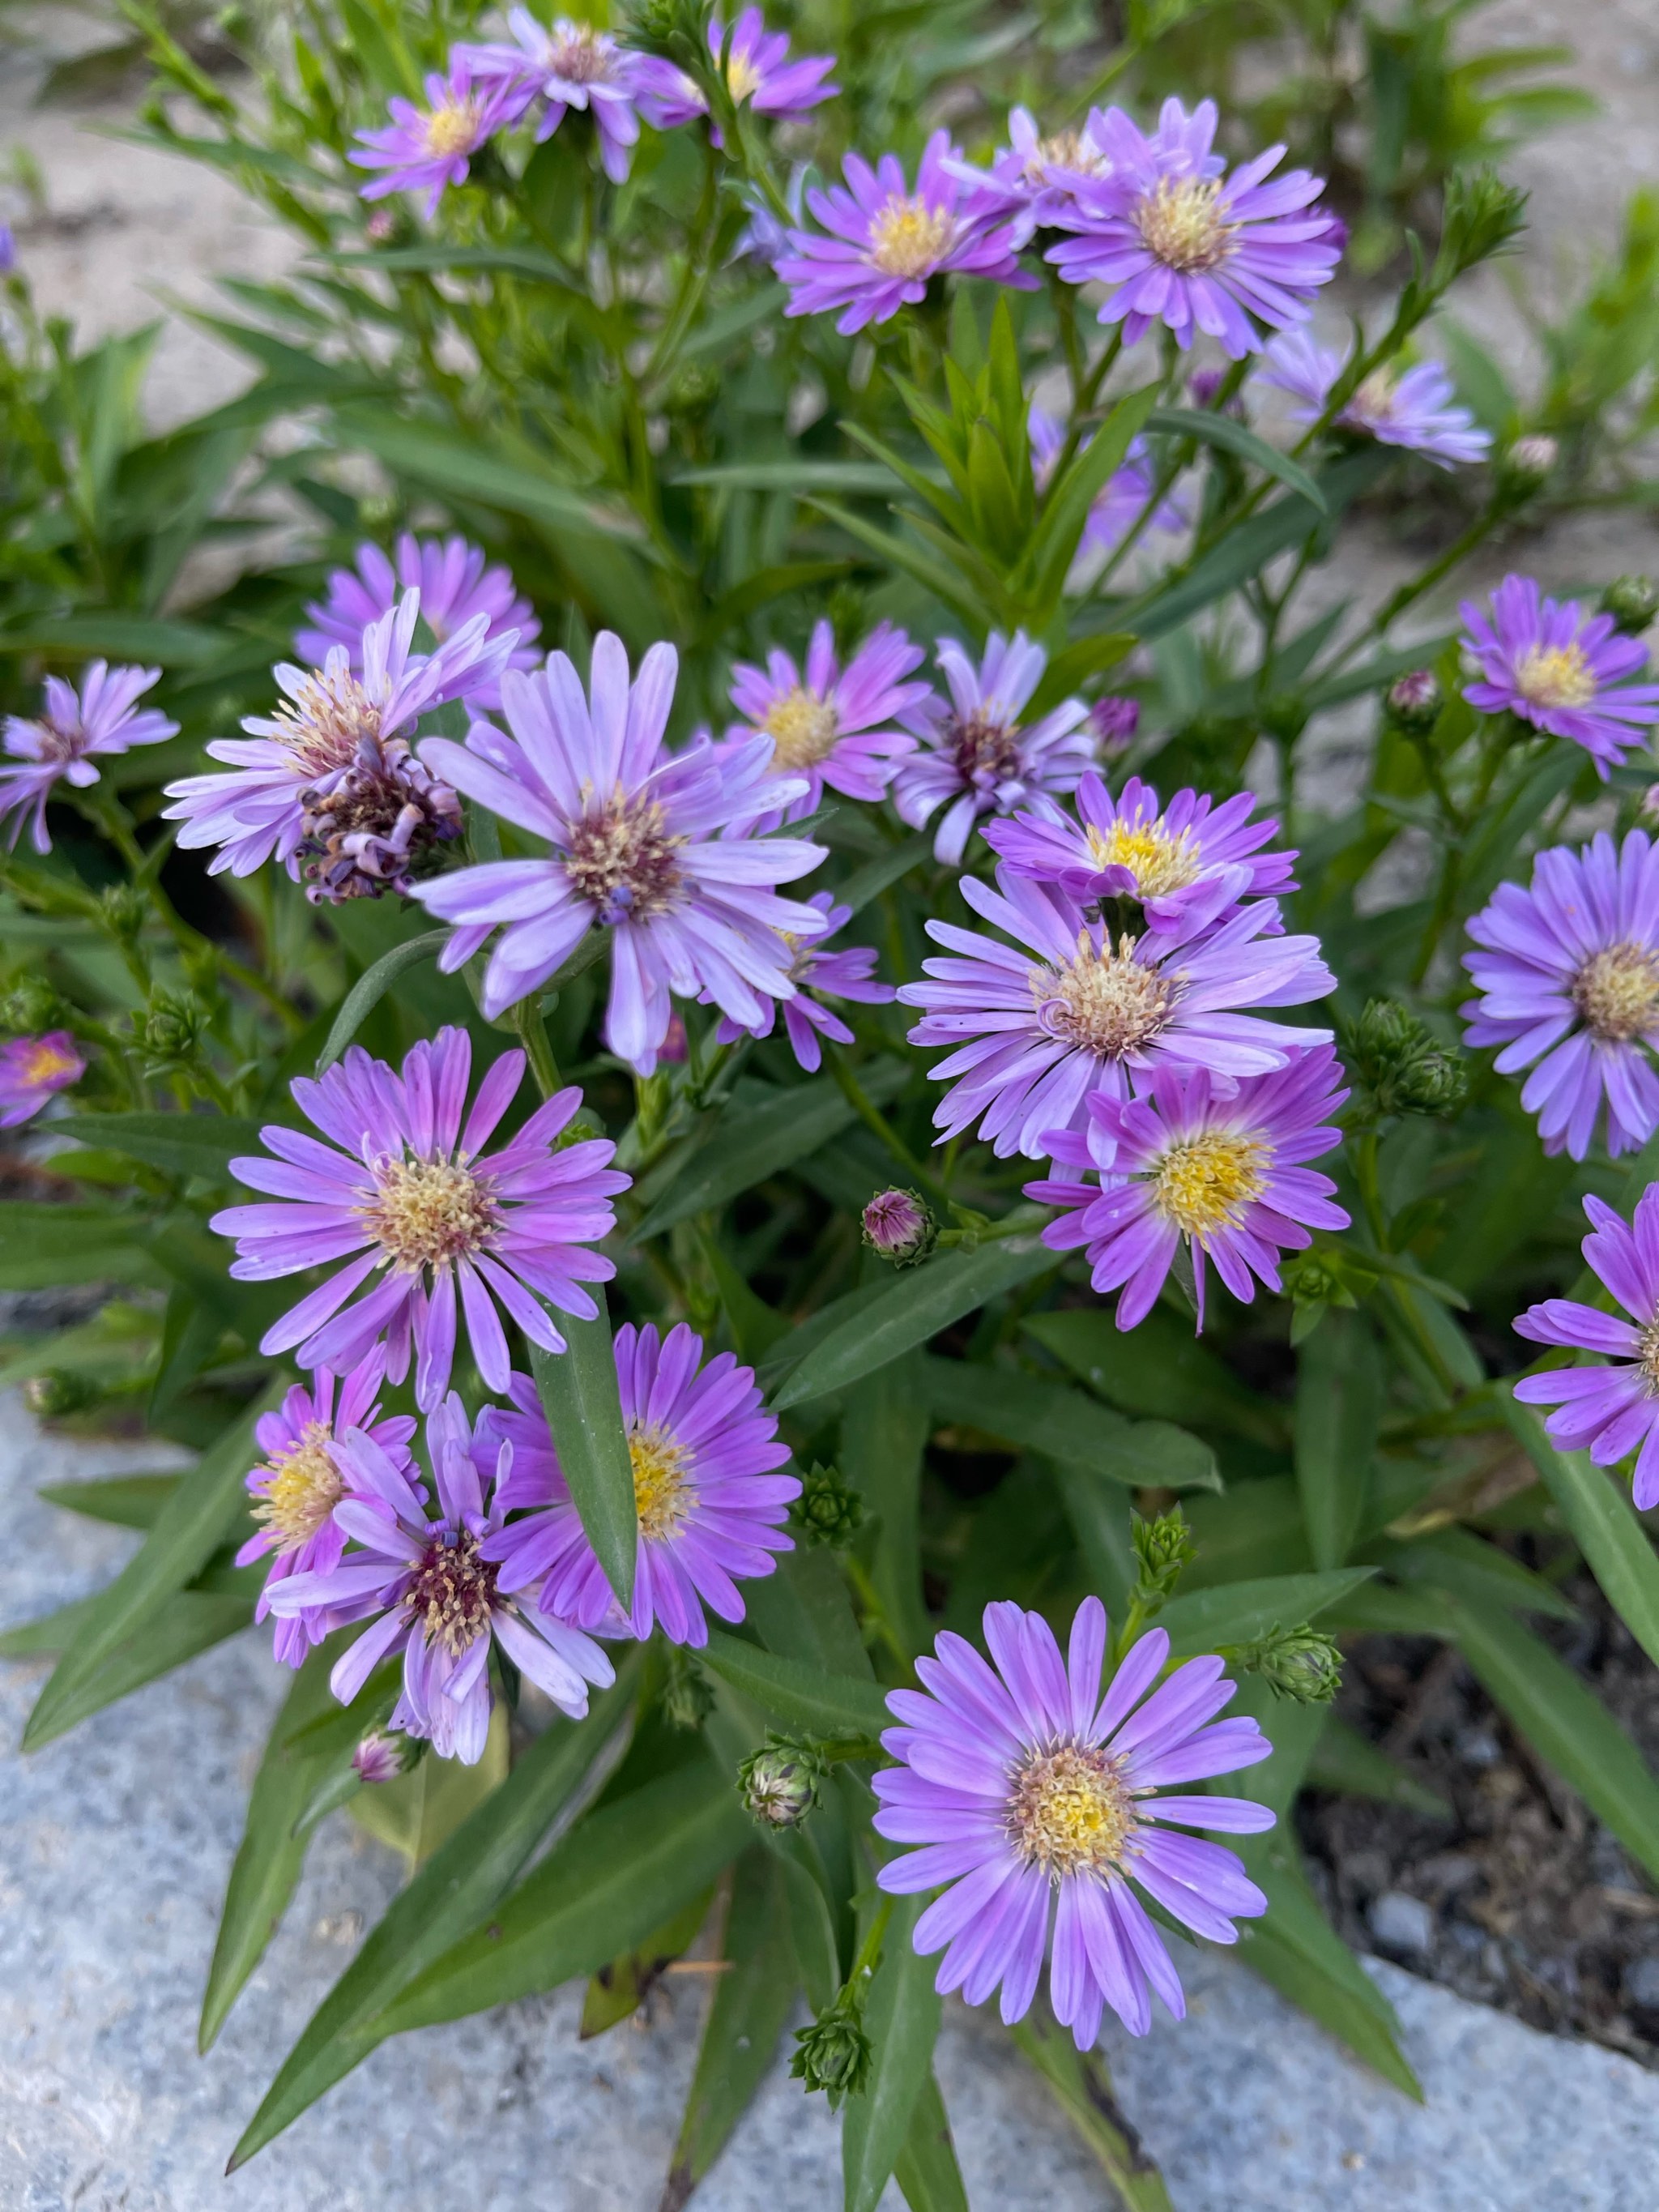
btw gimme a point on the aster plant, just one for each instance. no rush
(826, 1214)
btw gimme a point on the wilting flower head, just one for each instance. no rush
(976, 756)
(1189, 1160)
(297, 1485)
(1033, 184)
(711, 1509)
(884, 242)
(425, 149)
(365, 828)
(897, 1226)
(1185, 245)
(72, 731)
(834, 726)
(1186, 864)
(1415, 409)
(411, 1196)
(435, 1592)
(1560, 670)
(454, 585)
(34, 1068)
(569, 65)
(1569, 979)
(1607, 1411)
(1126, 490)
(633, 832)
(819, 975)
(319, 732)
(1068, 1008)
(758, 70)
(1038, 1803)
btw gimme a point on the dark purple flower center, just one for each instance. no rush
(57, 744)
(368, 825)
(581, 55)
(1108, 1002)
(1617, 991)
(1069, 1811)
(453, 1592)
(623, 859)
(985, 747)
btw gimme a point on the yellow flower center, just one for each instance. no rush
(301, 1489)
(1555, 676)
(622, 858)
(1179, 224)
(909, 239)
(1617, 991)
(43, 1063)
(453, 1593)
(1373, 402)
(1065, 149)
(323, 728)
(1069, 1811)
(743, 79)
(661, 1492)
(803, 728)
(1108, 1002)
(427, 1213)
(451, 127)
(1647, 1357)
(1206, 1185)
(1160, 860)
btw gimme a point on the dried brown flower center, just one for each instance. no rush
(1617, 991)
(1159, 859)
(301, 1488)
(1106, 1002)
(623, 860)
(427, 1213)
(661, 1495)
(1181, 225)
(1207, 1184)
(1069, 1811)
(910, 238)
(1555, 676)
(453, 1593)
(986, 749)
(803, 728)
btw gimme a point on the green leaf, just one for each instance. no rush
(579, 1396)
(178, 1143)
(1221, 430)
(1054, 543)
(1080, 2082)
(901, 2017)
(1563, 1722)
(878, 875)
(418, 1812)
(1458, 1560)
(1035, 1415)
(908, 559)
(1603, 1522)
(367, 992)
(884, 1434)
(927, 2174)
(796, 474)
(804, 1611)
(44, 1245)
(51, 1631)
(1236, 1612)
(128, 1501)
(1160, 1369)
(616, 1989)
(452, 1893)
(188, 1530)
(1339, 1403)
(891, 1318)
(753, 2000)
(798, 1695)
(1346, 1761)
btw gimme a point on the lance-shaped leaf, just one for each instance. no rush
(367, 992)
(1232, 437)
(418, 1812)
(883, 1433)
(178, 1143)
(1036, 1415)
(1603, 1522)
(1347, 1761)
(582, 1401)
(795, 1694)
(126, 1501)
(927, 2174)
(901, 2017)
(1080, 2082)
(1339, 1403)
(1236, 1613)
(1053, 544)
(1159, 1369)
(616, 1989)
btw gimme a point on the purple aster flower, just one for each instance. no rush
(636, 846)
(835, 725)
(1187, 863)
(296, 1488)
(425, 149)
(1068, 1009)
(711, 1509)
(1416, 409)
(1607, 1411)
(454, 585)
(1037, 1802)
(570, 66)
(1126, 490)
(1034, 182)
(817, 975)
(434, 1591)
(976, 756)
(34, 1069)
(1569, 978)
(320, 731)
(1189, 1158)
(1560, 670)
(886, 241)
(1183, 245)
(74, 729)
(758, 70)
(410, 1192)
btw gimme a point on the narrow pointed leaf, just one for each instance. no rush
(1049, 1417)
(178, 1143)
(126, 1501)
(1346, 1761)
(927, 2174)
(901, 2017)
(583, 1405)
(1235, 1612)
(1339, 1402)
(367, 992)
(1232, 437)
(1603, 1522)
(796, 1694)
(616, 1989)
(1080, 2082)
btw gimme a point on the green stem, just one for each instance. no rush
(856, 1096)
(869, 1598)
(527, 1019)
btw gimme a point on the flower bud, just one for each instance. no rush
(170, 1032)
(779, 1784)
(379, 1758)
(1414, 700)
(1633, 601)
(827, 1510)
(1114, 721)
(125, 911)
(685, 1696)
(1531, 458)
(833, 2054)
(692, 389)
(898, 1227)
(1161, 1549)
(1401, 1062)
(1298, 1663)
(59, 1392)
(30, 1007)
(380, 226)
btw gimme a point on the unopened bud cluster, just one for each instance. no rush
(829, 1510)
(1162, 1547)
(833, 2054)
(1402, 1066)
(1633, 601)
(780, 1783)
(1298, 1663)
(1414, 700)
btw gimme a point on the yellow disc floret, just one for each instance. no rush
(910, 238)
(427, 1213)
(1617, 991)
(662, 1497)
(803, 728)
(1161, 860)
(1069, 1811)
(1108, 1002)
(1204, 1184)
(1555, 676)
(301, 1488)
(1182, 226)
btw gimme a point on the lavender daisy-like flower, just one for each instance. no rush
(818, 974)
(410, 1196)
(1561, 670)
(1040, 1805)
(634, 832)
(1186, 864)
(1183, 245)
(884, 242)
(1607, 1411)
(34, 1069)
(758, 70)
(1070, 1007)
(426, 150)
(1415, 408)
(74, 729)
(833, 726)
(976, 756)
(332, 719)
(1568, 984)
(567, 65)
(294, 1489)
(435, 1593)
(1189, 1159)
(711, 1509)
(1034, 182)
(454, 585)
(1126, 492)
